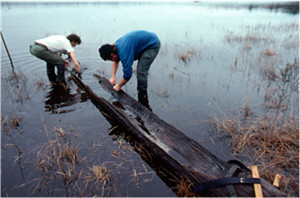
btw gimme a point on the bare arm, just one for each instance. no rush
(115, 66)
(76, 64)
(118, 86)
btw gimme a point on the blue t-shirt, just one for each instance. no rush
(130, 47)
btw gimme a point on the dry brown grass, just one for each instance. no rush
(59, 161)
(101, 173)
(281, 145)
(63, 167)
(272, 138)
(187, 56)
(59, 155)
(277, 151)
(164, 94)
(183, 188)
(171, 75)
(268, 52)
(13, 122)
(8, 124)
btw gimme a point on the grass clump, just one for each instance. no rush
(15, 84)
(271, 139)
(187, 56)
(63, 169)
(8, 126)
(58, 157)
(276, 151)
(66, 167)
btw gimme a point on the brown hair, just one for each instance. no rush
(74, 38)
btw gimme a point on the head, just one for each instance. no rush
(74, 40)
(109, 52)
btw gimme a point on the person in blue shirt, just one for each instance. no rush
(136, 45)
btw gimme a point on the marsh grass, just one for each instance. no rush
(263, 35)
(16, 86)
(276, 151)
(271, 139)
(40, 83)
(268, 52)
(164, 94)
(172, 75)
(64, 167)
(183, 188)
(9, 126)
(13, 122)
(187, 56)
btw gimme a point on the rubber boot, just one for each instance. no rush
(143, 99)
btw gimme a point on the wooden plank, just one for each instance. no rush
(277, 180)
(257, 187)
(177, 159)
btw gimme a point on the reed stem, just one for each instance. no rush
(12, 65)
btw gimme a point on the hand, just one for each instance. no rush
(79, 76)
(117, 87)
(112, 81)
(76, 73)
(67, 63)
(78, 70)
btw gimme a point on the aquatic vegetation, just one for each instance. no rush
(15, 83)
(268, 52)
(171, 75)
(164, 94)
(13, 122)
(183, 188)
(40, 83)
(276, 151)
(63, 167)
(271, 139)
(9, 126)
(185, 57)
(284, 85)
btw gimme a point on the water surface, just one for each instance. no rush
(210, 62)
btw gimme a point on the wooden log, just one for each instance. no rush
(257, 187)
(158, 142)
(277, 180)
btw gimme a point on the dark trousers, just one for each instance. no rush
(144, 63)
(52, 60)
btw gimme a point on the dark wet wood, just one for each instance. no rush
(173, 155)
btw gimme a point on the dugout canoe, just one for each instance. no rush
(182, 163)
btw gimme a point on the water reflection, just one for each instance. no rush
(60, 96)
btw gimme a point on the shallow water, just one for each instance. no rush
(210, 62)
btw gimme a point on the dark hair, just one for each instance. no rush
(74, 38)
(105, 51)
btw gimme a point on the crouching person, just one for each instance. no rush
(50, 49)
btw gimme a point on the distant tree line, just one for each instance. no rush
(287, 7)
